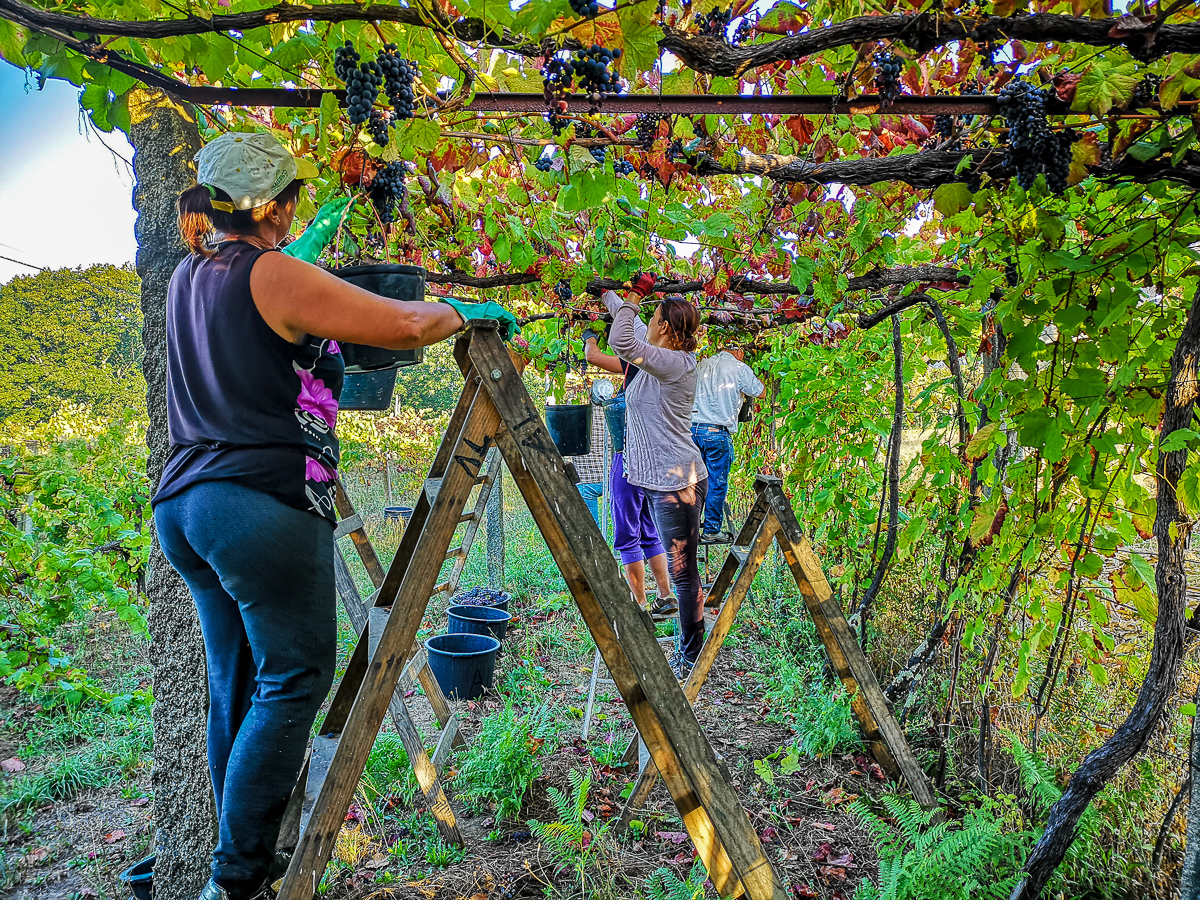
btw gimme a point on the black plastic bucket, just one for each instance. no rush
(614, 416)
(489, 596)
(463, 664)
(139, 879)
(397, 283)
(395, 514)
(368, 390)
(478, 620)
(570, 428)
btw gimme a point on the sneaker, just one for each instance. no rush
(681, 666)
(716, 537)
(663, 607)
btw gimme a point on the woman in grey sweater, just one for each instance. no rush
(660, 455)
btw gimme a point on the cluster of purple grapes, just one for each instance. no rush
(715, 22)
(623, 166)
(362, 82)
(378, 126)
(647, 129)
(590, 66)
(399, 76)
(887, 79)
(563, 291)
(1032, 147)
(388, 190)
(544, 164)
(584, 130)
(585, 8)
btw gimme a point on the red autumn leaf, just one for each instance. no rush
(682, 857)
(113, 836)
(768, 834)
(801, 128)
(832, 873)
(823, 852)
(825, 826)
(804, 892)
(1065, 84)
(846, 861)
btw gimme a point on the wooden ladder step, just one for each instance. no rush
(455, 553)
(441, 588)
(345, 526)
(411, 671)
(739, 553)
(467, 517)
(323, 748)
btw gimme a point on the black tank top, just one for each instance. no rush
(243, 404)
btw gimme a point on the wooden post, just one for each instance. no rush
(495, 533)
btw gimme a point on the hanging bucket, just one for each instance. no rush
(490, 620)
(481, 596)
(139, 879)
(368, 390)
(614, 415)
(570, 428)
(397, 283)
(463, 664)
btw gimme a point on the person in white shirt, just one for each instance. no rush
(722, 380)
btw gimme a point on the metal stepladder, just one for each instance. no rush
(367, 616)
(495, 410)
(772, 518)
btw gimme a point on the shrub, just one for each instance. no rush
(503, 762)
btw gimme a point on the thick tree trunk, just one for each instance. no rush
(165, 138)
(1171, 528)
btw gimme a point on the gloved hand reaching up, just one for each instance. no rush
(643, 283)
(488, 310)
(320, 231)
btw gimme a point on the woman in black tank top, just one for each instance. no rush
(244, 509)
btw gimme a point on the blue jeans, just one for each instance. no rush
(591, 492)
(677, 516)
(716, 446)
(261, 573)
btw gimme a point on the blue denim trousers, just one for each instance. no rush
(591, 492)
(716, 446)
(261, 573)
(677, 516)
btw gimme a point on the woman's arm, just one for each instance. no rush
(297, 299)
(663, 364)
(598, 358)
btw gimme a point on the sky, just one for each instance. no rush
(65, 199)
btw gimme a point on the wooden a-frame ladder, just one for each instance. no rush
(772, 518)
(496, 410)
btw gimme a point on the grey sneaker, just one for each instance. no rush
(663, 607)
(681, 667)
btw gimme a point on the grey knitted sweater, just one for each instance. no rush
(659, 451)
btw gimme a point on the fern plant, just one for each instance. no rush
(506, 759)
(947, 861)
(663, 884)
(584, 849)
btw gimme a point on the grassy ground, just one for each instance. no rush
(536, 802)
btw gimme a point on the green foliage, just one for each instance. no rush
(73, 539)
(947, 861)
(70, 336)
(503, 762)
(663, 884)
(388, 771)
(574, 845)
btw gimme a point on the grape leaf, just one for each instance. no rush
(1100, 89)
(949, 199)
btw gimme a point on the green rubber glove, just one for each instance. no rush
(320, 231)
(489, 310)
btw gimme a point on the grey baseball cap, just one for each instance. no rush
(251, 167)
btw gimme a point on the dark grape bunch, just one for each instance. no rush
(563, 291)
(743, 33)
(584, 130)
(378, 126)
(558, 124)
(591, 67)
(585, 8)
(1146, 92)
(647, 129)
(675, 150)
(480, 596)
(362, 82)
(887, 79)
(1010, 273)
(1032, 146)
(345, 60)
(623, 166)
(714, 22)
(399, 76)
(544, 164)
(387, 190)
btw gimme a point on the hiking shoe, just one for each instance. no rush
(716, 537)
(663, 607)
(681, 666)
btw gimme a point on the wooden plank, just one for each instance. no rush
(706, 801)
(408, 677)
(319, 760)
(467, 517)
(345, 509)
(345, 526)
(348, 591)
(591, 696)
(447, 740)
(759, 545)
(488, 482)
(406, 588)
(888, 744)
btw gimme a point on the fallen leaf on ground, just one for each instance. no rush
(804, 892)
(675, 837)
(823, 825)
(378, 861)
(37, 855)
(140, 801)
(832, 873)
(587, 815)
(12, 765)
(113, 836)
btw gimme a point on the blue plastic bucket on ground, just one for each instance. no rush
(489, 620)
(463, 664)
(570, 428)
(139, 879)
(395, 514)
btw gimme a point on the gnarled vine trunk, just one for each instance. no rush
(165, 138)
(1171, 529)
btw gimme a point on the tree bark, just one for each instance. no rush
(165, 138)
(1171, 529)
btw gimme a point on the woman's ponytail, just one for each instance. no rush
(196, 219)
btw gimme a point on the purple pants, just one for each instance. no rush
(634, 534)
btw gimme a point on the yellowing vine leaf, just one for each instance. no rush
(1100, 89)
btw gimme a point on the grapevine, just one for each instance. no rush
(387, 190)
(1032, 146)
(563, 290)
(585, 8)
(345, 61)
(1146, 92)
(714, 23)
(595, 79)
(584, 130)
(362, 85)
(378, 126)
(399, 76)
(623, 167)
(887, 79)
